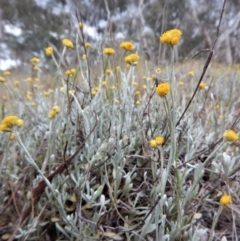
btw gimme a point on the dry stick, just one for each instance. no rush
(205, 66)
(38, 191)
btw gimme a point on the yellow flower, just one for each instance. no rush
(3, 128)
(16, 83)
(104, 83)
(35, 60)
(158, 70)
(138, 102)
(52, 114)
(127, 46)
(49, 51)
(12, 121)
(33, 104)
(29, 79)
(171, 37)
(87, 45)
(108, 51)
(56, 108)
(6, 73)
(12, 136)
(93, 92)
(191, 73)
(67, 43)
(132, 59)
(159, 140)
(163, 89)
(117, 68)
(4, 97)
(81, 25)
(144, 87)
(84, 56)
(108, 71)
(70, 72)
(137, 92)
(202, 85)
(35, 68)
(2, 79)
(225, 200)
(116, 101)
(180, 83)
(230, 135)
(135, 83)
(36, 79)
(153, 143)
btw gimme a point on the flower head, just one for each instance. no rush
(35, 60)
(132, 59)
(6, 73)
(87, 45)
(35, 68)
(230, 135)
(2, 79)
(70, 72)
(225, 200)
(108, 51)
(67, 43)
(191, 73)
(10, 122)
(56, 108)
(81, 25)
(159, 140)
(127, 46)
(52, 114)
(202, 85)
(153, 143)
(171, 37)
(84, 56)
(49, 51)
(163, 89)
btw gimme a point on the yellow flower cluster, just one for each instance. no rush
(49, 51)
(127, 46)
(171, 37)
(225, 200)
(6, 73)
(158, 141)
(35, 60)
(94, 91)
(132, 59)
(163, 89)
(10, 122)
(70, 72)
(81, 25)
(67, 43)
(87, 45)
(230, 135)
(202, 85)
(53, 112)
(108, 51)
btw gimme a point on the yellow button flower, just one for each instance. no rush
(230, 135)
(153, 143)
(191, 73)
(2, 79)
(132, 59)
(159, 140)
(49, 51)
(163, 89)
(202, 85)
(52, 114)
(225, 200)
(171, 37)
(35, 68)
(6, 73)
(35, 60)
(12, 121)
(108, 51)
(68, 43)
(81, 25)
(127, 46)
(87, 45)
